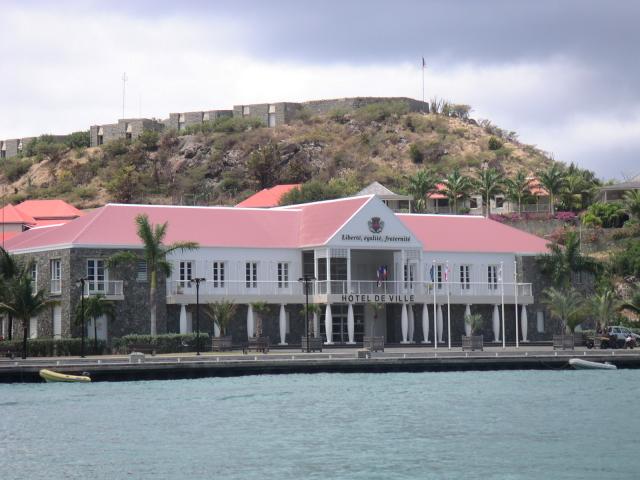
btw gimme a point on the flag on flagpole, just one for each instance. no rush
(424, 64)
(446, 273)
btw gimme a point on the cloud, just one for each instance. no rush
(562, 78)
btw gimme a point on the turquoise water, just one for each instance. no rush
(485, 425)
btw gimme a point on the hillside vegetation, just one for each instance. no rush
(223, 162)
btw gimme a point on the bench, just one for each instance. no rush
(373, 344)
(315, 344)
(7, 352)
(141, 348)
(563, 342)
(474, 342)
(258, 344)
(220, 344)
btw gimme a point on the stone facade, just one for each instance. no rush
(271, 114)
(180, 121)
(128, 128)
(131, 313)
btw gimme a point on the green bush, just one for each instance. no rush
(606, 215)
(166, 343)
(116, 147)
(339, 115)
(224, 125)
(415, 152)
(14, 168)
(380, 111)
(627, 261)
(149, 140)
(78, 140)
(494, 143)
(49, 347)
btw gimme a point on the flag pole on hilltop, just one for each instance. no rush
(424, 65)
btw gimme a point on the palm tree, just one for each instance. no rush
(518, 188)
(260, 308)
(553, 181)
(314, 308)
(457, 187)
(632, 203)
(155, 254)
(563, 260)
(604, 306)
(222, 313)
(421, 184)
(95, 306)
(10, 269)
(489, 183)
(475, 322)
(566, 306)
(24, 304)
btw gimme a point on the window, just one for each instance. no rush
(218, 274)
(465, 277)
(473, 202)
(186, 269)
(205, 117)
(409, 275)
(251, 274)
(246, 110)
(34, 274)
(499, 202)
(56, 286)
(437, 274)
(492, 277)
(142, 274)
(283, 275)
(96, 275)
(272, 109)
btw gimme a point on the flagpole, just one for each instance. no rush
(422, 79)
(515, 286)
(504, 345)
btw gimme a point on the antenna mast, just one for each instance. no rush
(124, 82)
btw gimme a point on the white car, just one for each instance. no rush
(622, 333)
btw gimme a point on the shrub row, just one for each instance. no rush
(167, 343)
(49, 347)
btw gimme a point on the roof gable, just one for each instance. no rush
(49, 209)
(11, 214)
(268, 197)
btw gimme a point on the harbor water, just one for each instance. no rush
(486, 425)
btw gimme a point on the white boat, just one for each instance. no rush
(580, 364)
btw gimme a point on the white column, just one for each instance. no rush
(350, 324)
(440, 324)
(515, 292)
(448, 307)
(412, 323)
(496, 324)
(404, 323)
(348, 271)
(183, 319)
(504, 339)
(525, 323)
(328, 271)
(250, 324)
(283, 325)
(316, 325)
(467, 327)
(328, 325)
(435, 316)
(425, 323)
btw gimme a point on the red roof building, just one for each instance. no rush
(268, 197)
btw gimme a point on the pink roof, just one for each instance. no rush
(7, 236)
(467, 233)
(441, 192)
(11, 214)
(49, 209)
(269, 197)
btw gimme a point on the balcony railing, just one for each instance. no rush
(342, 287)
(56, 287)
(108, 288)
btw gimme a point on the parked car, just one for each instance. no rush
(621, 333)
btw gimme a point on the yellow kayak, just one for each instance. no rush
(51, 376)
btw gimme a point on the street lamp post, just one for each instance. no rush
(80, 283)
(198, 280)
(305, 280)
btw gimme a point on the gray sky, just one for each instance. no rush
(563, 74)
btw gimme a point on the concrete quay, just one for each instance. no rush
(407, 359)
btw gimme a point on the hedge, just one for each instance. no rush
(49, 347)
(166, 343)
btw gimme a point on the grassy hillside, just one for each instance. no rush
(225, 161)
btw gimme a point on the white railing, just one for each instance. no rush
(56, 286)
(108, 288)
(342, 287)
(238, 288)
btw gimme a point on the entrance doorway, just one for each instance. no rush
(340, 327)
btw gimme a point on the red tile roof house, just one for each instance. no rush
(427, 271)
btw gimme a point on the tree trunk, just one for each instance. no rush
(153, 286)
(25, 332)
